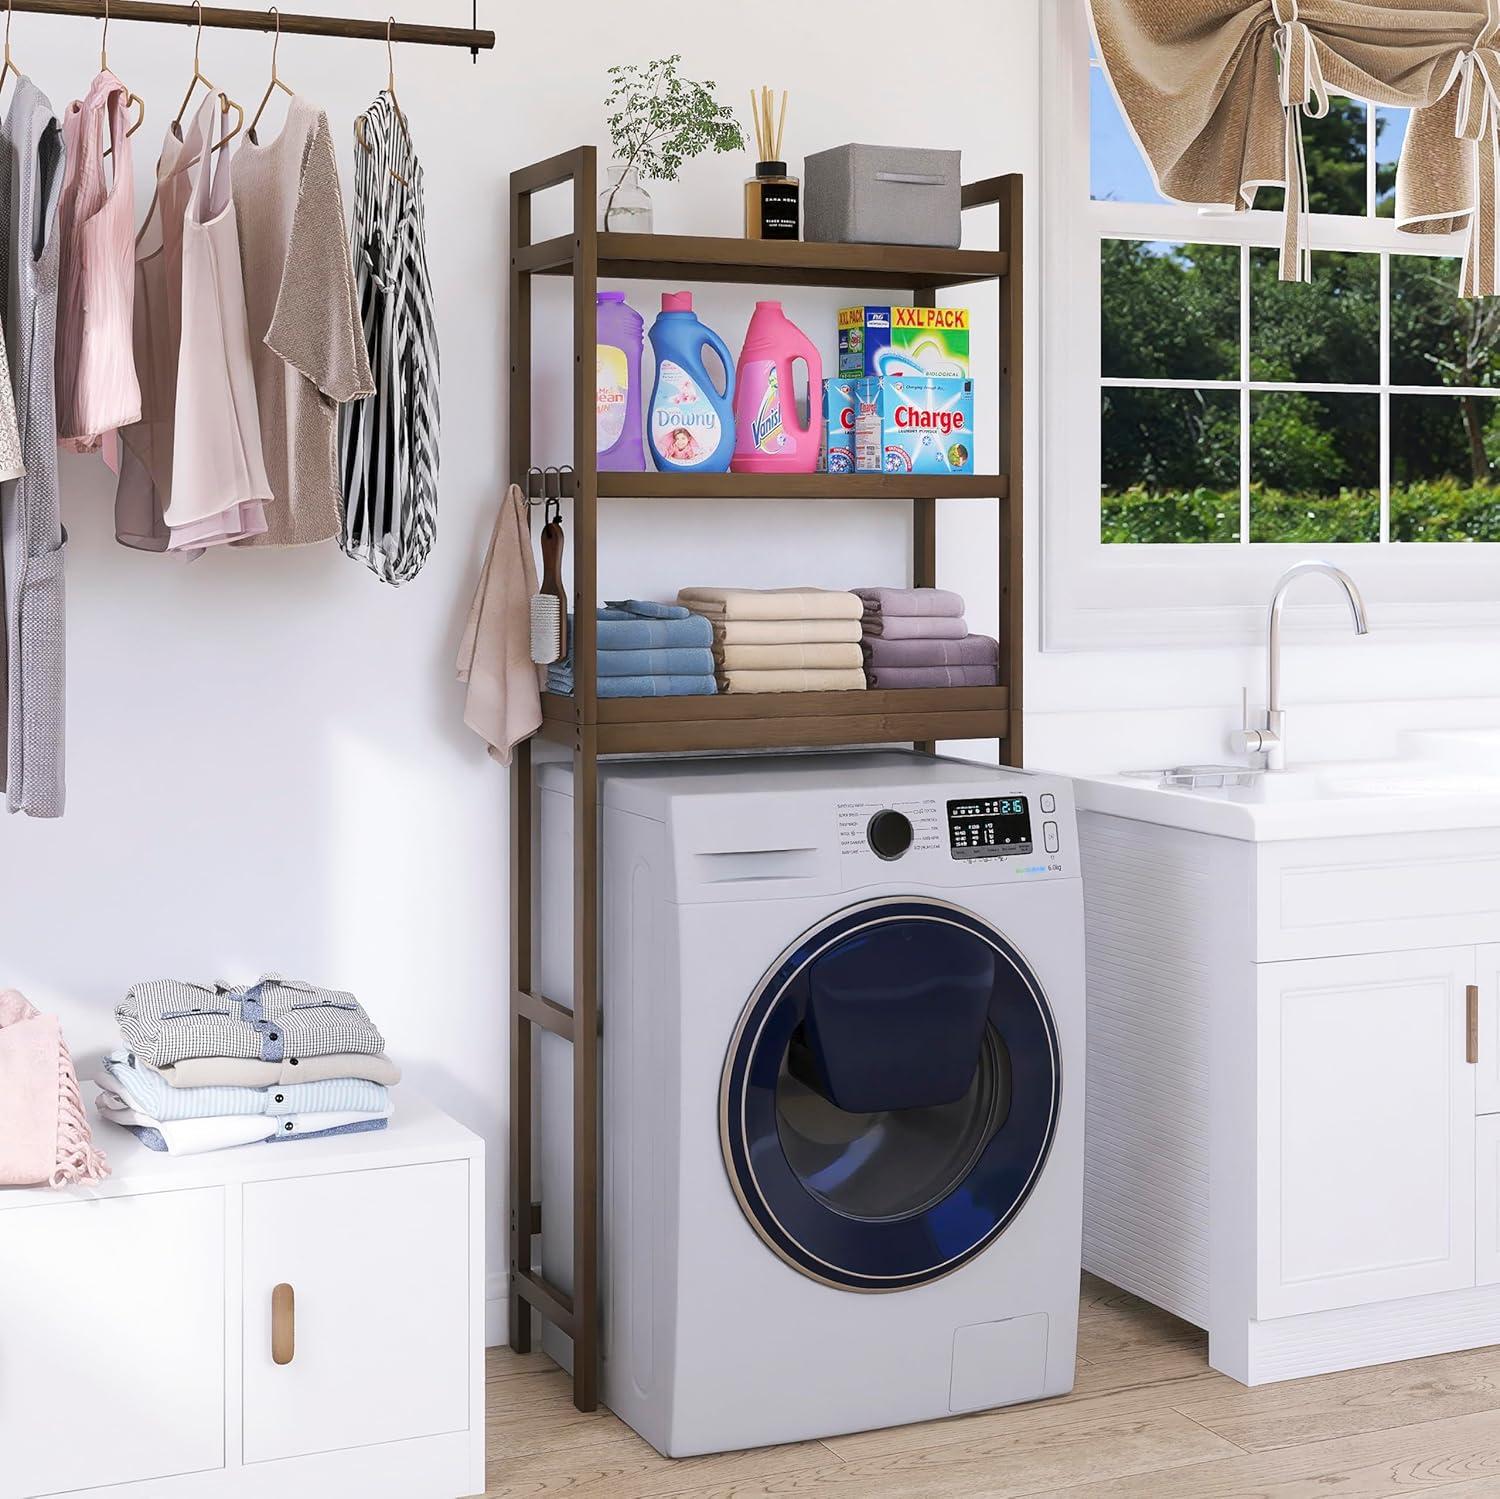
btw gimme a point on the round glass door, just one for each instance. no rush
(890, 1095)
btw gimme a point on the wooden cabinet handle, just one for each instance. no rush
(1472, 1046)
(283, 1324)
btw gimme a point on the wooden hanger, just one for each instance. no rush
(199, 76)
(390, 88)
(130, 98)
(10, 66)
(275, 82)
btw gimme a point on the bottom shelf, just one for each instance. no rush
(783, 720)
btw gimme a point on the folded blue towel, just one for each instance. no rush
(645, 609)
(629, 632)
(682, 661)
(642, 684)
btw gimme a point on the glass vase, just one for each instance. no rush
(625, 206)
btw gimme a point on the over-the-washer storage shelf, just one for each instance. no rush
(591, 727)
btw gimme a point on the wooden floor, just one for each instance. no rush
(1147, 1420)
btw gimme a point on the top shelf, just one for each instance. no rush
(765, 262)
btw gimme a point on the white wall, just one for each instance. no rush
(267, 762)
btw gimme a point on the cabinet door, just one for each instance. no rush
(1487, 1079)
(378, 1263)
(1366, 1123)
(111, 1341)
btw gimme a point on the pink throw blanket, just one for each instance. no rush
(44, 1134)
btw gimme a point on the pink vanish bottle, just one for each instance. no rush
(769, 436)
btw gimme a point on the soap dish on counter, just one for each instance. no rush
(1199, 777)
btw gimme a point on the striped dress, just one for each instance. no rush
(388, 442)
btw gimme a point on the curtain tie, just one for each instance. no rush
(1303, 92)
(1479, 122)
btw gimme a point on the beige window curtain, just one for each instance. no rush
(1216, 90)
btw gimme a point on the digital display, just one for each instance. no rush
(991, 827)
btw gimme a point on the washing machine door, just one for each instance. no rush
(890, 1095)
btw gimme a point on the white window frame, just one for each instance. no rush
(1096, 595)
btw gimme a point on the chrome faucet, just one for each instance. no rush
(1270, 741)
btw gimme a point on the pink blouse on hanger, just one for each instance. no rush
(219, 482)
(97, 390)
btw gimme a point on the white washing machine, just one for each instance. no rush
(843, 1046)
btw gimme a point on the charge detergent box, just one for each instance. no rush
(838, 427)
(914, 424)
(880, 341)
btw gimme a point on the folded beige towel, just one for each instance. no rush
(781, 657)
(772, 603)
(786, 632)
(792, 680)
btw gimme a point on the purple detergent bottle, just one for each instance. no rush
(620, 345)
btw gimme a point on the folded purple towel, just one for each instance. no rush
(914, 627)
(911, 603)
(888, 677)
(972, 650)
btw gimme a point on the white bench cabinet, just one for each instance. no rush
(136, 1321)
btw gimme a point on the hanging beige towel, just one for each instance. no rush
(786, 632)
(787, 657)
(771, 603)
(504, 704)
(792, 680)
(1216, 92)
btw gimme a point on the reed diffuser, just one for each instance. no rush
(773, 200)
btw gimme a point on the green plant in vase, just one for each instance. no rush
(657, 120)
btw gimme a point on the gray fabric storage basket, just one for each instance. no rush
(873, 195)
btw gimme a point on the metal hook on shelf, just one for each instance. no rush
(554, 483)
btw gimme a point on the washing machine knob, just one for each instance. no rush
(889, 834)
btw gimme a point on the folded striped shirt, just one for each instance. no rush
(166, 1021)
(199, 1136)
(148, 1092)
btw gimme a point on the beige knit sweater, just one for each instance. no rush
(307, 345)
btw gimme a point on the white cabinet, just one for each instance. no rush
(136, 1354)
(377, 1263)
(1367, 1144)
(1288, 1144)
(111, 1341)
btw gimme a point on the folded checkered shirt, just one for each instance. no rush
(165, 1021)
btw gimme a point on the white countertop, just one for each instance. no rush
(1442, 780)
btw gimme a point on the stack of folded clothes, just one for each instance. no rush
(645, 650)
(209, 1066)
(917, 637)
(783, 639)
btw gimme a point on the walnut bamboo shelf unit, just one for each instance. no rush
(591, 727)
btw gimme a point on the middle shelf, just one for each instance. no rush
(664, 486)
(782, 720)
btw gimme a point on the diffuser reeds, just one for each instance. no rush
(768, 137)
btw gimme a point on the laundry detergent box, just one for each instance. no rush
(879, 341)
(914, 424)
(838, 427)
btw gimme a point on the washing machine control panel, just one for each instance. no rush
(1005, 831)
(990, 827)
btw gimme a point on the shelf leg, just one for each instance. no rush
(521, 1059)
(586, 1181)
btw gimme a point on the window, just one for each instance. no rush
(1207, 423)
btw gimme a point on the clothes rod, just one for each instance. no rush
(258, 20)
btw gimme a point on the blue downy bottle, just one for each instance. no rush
(690, 427)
